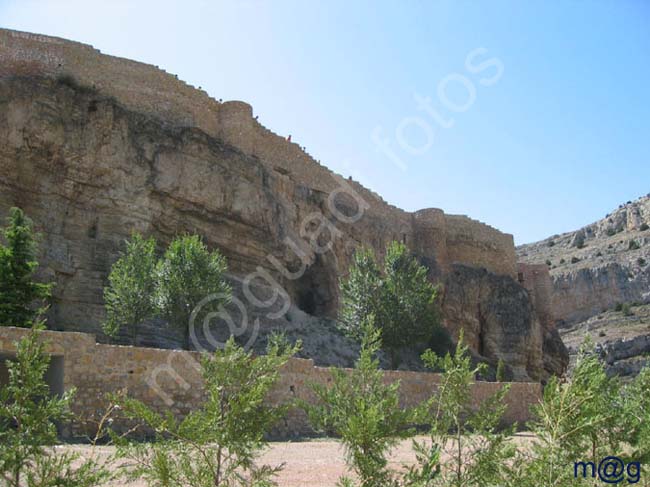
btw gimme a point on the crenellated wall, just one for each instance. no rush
(94, 147)
(150, 90)
(169, 380)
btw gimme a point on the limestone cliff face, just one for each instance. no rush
(598, 266)
(94, 148)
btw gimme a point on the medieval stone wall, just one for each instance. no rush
(536, 278)
(149, 90)
(170, 380)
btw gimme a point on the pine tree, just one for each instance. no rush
(19, 294)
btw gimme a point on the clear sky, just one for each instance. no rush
(537, 114)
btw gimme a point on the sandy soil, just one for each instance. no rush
(317, 463)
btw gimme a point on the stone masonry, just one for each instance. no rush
(169, 380)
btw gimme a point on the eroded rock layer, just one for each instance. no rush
(94, 147)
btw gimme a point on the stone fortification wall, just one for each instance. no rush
(149, 90)
(536, 278)
(169, 380)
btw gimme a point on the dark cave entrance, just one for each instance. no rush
(315, 291)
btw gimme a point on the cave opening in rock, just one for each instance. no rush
(315, 290)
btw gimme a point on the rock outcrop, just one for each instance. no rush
(94, 147)
(598, 266)
(600, 275)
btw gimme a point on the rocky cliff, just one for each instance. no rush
(94, 147)
(600, 275)
(597, 266)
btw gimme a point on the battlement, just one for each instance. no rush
(149, 90)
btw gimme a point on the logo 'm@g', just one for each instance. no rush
(611, 470)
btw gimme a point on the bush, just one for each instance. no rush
(364, 412)
(575, 420)
(641, 261)
(549, 263)
(129, 297)
(501, 371)
(618, 307)
(399, 297)
(551, 243)
(467, 447)
(28, 418)
(634, 245)
(627, 310)
(187, 283)
(216, 445)
(599, 254)
(644, 227)
(188, 274)
(22, 300)
(574, 260)
(611, 232)
(562, 261)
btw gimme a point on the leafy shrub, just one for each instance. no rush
(174, 286)
(634, 245)
(501, 371)
(399, 297)
(28, 418)
(627, 310)
(599, 254)
(216, 445)
(549, 263)
(19, 293)
(644, 227)
(611, 232)
(364, 412)
(129, 297)
(562, 261)
(551, 243)
(466, 445)
(187, 274)
(618, 307)
(575, 260)
(641, 261)
(575, 420)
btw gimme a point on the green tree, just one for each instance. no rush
(129, 297)
(501, 371)
(360, 294)
(476, 450)
(399, 297)
(216, 445)
(364, 412)
(187, 275)
(636, 411)
(575, 421)
(28, 417)
(19, 294)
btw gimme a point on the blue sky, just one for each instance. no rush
(543, 129)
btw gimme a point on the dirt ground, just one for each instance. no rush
(316, 463)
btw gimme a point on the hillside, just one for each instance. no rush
(593, 270)
(94, 147)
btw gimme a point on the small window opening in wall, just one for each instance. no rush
(404, 238)
(520, 276)
(53, 376)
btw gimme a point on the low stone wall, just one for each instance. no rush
(170, 380)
